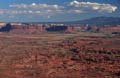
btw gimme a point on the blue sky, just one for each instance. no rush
(56, 10)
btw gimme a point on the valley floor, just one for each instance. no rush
(77, 55)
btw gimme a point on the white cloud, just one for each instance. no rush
(90, 6)
(50, 10)
(76, 11)
(36, 6)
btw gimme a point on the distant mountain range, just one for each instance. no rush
(100, 21)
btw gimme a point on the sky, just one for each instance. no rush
(56, 10)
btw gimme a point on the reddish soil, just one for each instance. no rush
(78, 57)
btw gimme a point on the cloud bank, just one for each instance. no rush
(89, 6)
(48, 10)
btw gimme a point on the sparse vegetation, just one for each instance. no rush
(59, 55)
